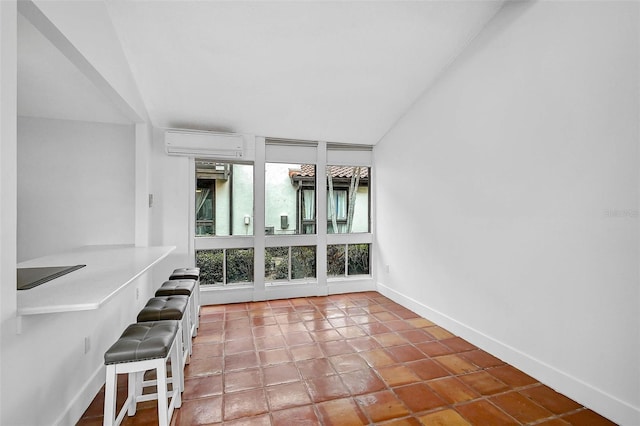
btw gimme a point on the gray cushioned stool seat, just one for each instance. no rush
(164, 308)
(143, 341)
(176, 287)
(185, 274)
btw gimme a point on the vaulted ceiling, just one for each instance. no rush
(340, 71)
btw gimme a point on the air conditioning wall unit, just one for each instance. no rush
(202, 144)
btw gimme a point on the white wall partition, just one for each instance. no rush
(508, 199)
(74, 185)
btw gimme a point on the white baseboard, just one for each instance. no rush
(79, 404)
(603, 403)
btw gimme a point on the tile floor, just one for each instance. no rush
(350, 359)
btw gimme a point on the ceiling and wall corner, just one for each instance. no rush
(342, 72)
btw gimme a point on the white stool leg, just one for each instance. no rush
(177, 376)
(161, 373)
(110, 396)
(193, 313)
(132, 387)
(186, 336)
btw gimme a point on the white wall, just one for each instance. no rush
(75, 185)
(8, 177)
(521, 164)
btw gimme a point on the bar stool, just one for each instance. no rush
(183, 288)
(142, 347)
(171, 308)
(189, 274)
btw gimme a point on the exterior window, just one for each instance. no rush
(205, 196)
(290, 201)
(355, 263)
(347, 199)
(224, 199)
(225, 266)
(290, 263)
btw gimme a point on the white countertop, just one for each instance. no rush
(109, 269)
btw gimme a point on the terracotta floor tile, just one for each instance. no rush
(398, 375)
(241, 380)
(337, 347)
(303, 352)
(298, 338)
(438, 332)
(262, 320)
(350, 332)
(362, 381)
(377, 358)
(281, 373)
(341, 322)
(237, 346)
(325, 388)
(420, 322)
(267, 331)
(398, 325)
(391, 339)
(452, 390)
(241, 361)
(511, 376)
(481, 358)
(209, 337)
(200, 411)
(260, 420)
(242, 323)
(385, 317)
(444, 418)
(204, 367)
(325, 335)
(299, 416)
(458, 344)
(416, 335)
(484, 383)
(244, 404)
(587, 417)
(406, 421)
(364, 344)
(363, 319)
(484, 413)
(287, 395)
(456, 364)
(419, 397)
(381, 406)
(202, 387)
(554, 422)
(274, 356)
(428, 369)
(520, 407)
(341, 412)
(207, 350)
(405, 353)
(550, 399)
(375, 328)
(270, 342)
(315, 368)
(346, 359)
(238, 333)
(433, 348)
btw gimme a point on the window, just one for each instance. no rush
(225, 266)
(355, 263)
(205, 196)
(290, 199)
(347, 199)
(224, 198)
(290, 263)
